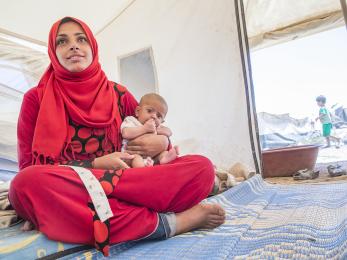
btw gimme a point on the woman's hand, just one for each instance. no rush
(112, 161)
(148, 145)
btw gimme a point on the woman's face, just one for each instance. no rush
(72, 47)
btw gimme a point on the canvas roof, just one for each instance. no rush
(266, 19)
(268, 22)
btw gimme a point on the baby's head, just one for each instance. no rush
(151, 106)
(321, 100)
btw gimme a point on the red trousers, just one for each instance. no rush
(55, 200)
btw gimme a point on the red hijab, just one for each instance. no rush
(86, 97)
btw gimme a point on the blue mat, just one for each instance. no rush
(16, 244)
(264, 221)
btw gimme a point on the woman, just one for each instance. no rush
(72, 118)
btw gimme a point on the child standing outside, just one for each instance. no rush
(149, 116)
(325, 118)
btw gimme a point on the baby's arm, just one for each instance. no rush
(133, 132)
(163, 130)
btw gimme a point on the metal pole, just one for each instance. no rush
(344, 10)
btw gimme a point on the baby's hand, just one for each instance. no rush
(150, 126)
(163, 130)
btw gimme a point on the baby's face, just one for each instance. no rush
(151, 109)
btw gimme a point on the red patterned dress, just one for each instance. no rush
(55, 200)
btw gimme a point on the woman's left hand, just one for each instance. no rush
(148, 145)
(112, 161)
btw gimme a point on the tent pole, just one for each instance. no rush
(246, 68)
(344, 10)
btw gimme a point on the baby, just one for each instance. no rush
(149, 115)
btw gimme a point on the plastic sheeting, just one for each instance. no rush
(283, 130)
(21, 65)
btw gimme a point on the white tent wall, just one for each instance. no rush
(196, 52)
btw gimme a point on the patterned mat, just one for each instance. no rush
(264, 221)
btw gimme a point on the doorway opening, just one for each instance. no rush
(288, 78)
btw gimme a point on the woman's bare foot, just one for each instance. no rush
(200, 216)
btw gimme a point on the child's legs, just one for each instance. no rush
(327, 132)
(168, 156)
(161, 156)
(327, 138)
(137, 162)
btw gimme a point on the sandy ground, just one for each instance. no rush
(323, 178)
(332, 154)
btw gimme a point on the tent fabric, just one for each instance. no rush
(268, 21)
(24, 55)
(8, 142)
(273, 21)
(199, 71)
(198, 65)
(32, 19)
(202, 70)
(21, 65)
(196, 51)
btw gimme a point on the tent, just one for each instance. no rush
(197, 51)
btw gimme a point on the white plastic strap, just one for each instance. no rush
(95, 191)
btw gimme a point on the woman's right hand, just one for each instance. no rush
(112, 161)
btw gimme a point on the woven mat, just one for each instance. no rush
(264, 221)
